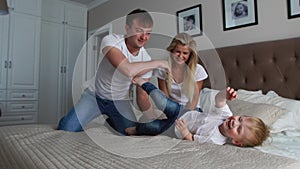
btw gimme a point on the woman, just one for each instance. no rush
(185, 81)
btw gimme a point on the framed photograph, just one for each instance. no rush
(293, 8)
(239, 13)
(189, 20)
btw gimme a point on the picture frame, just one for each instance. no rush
(189, 20)
(239, 13)
(293, 8)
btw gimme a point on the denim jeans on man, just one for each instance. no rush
(90, 106)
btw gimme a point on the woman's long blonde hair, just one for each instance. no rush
(189, 78)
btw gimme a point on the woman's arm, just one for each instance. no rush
(192, 105)
(163, 86)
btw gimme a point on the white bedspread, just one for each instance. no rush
(286, 143)
(40, 146)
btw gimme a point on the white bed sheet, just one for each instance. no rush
(286, 143)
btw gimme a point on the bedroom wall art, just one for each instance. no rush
(189, 20)
(239, 13)
(293, 7)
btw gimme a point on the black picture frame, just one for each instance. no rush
(189, 20)
(293, 8)
(239, 13)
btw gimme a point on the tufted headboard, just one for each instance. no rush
(271, 65)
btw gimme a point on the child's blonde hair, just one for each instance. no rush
(189, 83)
(260, 132)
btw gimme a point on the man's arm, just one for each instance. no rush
(119, 61)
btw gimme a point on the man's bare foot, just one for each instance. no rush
(130, 130)
(138, 81)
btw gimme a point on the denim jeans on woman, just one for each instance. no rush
(90, 106)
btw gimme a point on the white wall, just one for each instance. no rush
(272, 20)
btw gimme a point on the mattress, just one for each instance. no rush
(41, 146)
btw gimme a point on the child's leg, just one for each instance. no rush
(169, 107)
(154, 127)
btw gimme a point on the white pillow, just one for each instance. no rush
(266, 112)
(252, 96)
(207, 97)
(207, 102)
(291, 119)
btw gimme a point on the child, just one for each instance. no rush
(214, 127)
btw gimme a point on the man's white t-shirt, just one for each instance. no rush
(109, 83)
(177, 92)
(205, 126)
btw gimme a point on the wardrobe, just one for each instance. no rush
(63, 37)
(19, 62)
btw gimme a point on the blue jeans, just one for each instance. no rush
(90, 106)
(172, 109)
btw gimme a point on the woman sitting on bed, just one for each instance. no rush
(184, 83)
(214, 127)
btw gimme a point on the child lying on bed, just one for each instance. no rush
(215, 127)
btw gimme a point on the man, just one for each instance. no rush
(124, 57)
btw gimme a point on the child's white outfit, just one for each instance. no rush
(205, 126)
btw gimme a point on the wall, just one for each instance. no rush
(272, 21)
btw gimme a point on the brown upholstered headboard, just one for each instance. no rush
(272, 65)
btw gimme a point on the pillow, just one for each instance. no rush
(290, 120)
(207, 97)
(244, 104)
(266, 112)
(252, 96)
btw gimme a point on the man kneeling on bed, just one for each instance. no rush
(216, 127)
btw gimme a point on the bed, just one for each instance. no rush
(265, 74)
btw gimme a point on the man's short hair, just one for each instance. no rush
(142, 15)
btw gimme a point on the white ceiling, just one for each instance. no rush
(89, 3)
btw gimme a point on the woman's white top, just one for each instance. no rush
(109, 83)
(177, 92)
(205, 126)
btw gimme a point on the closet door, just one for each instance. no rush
(74, 42)
(24, 51)
(75, 15)
(4, 24)
(31, 7)
(51, 73)
(53, 11)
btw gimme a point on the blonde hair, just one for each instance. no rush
(189, 83)
(260, 132)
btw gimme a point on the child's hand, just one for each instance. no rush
(182, 127)
(230, 93)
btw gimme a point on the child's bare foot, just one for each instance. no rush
(138, 81)
(130, 130)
